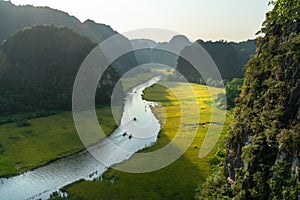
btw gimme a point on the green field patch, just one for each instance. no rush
(178, 180)
(46, 139)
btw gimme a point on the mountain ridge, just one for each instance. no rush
(39, 67)
(18, 17)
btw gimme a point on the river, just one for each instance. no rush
(138, 129)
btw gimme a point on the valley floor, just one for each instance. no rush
(180, 179)
(49, 138)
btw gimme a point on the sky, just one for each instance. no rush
(231, 20)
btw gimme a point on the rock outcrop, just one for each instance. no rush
(263, 150)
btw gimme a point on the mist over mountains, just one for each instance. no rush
(42, 49)
(13, 18)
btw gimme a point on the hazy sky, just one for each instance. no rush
(232, 20)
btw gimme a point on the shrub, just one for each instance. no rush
(22, 123)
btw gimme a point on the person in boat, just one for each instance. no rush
(130, 136)
(124, 134)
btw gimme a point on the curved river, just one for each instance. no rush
(43, 181)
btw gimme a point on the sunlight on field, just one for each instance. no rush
(178, 180)
(49, 138)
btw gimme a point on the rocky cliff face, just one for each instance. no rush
(263, 150)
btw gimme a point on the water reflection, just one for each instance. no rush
(138, 129)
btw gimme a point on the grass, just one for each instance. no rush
(132, 81)
(180, 179)
(27, 144)
(44, 139)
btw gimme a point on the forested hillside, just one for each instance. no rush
(38, 67)
(14, 18)
(263, 148)
(244, 50)
(229, 58)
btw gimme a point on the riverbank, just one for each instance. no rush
(43, 181)
(177, 181)
(47, 139)
(43, 141)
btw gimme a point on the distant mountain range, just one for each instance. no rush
(39, 56)
(229, 57)
(13, 18)
(165, 53)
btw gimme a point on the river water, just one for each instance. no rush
(141, 128)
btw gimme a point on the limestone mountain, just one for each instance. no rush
(264, 145)
(263, 149)
(244, 50)
(39, 66)
(14, 18)
(229, 58)
(165, 53)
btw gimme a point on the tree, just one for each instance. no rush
(233, 91)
